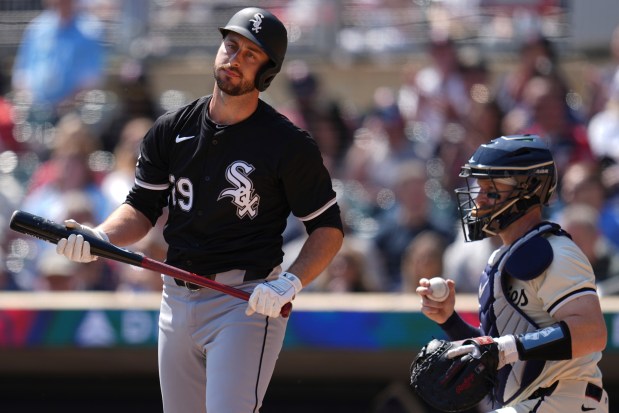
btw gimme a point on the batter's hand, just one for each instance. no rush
(269, 297)
(74, 247)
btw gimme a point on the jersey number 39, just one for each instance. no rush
(182, 193)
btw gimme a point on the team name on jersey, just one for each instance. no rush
(518, 296)
(242, 194)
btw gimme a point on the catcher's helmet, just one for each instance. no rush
(267, 31)
(523, 161)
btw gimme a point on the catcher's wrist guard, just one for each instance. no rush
(458, 383)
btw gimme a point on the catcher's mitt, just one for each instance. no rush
(454, 385)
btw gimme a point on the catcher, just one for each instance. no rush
(542, 331)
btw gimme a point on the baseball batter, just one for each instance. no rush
(230, 169)
(537, 294)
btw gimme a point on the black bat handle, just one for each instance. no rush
(50, 231)
(53, 232)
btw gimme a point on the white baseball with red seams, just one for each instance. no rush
(439, 290)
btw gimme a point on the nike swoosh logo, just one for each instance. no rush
(180, 138)
(586, 409)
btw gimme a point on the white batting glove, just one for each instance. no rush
(74, 247)
(505, 345)
(269, 297)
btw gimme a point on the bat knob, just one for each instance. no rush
(286, 309)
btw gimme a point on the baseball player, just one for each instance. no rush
(537, 295)
(230, 169)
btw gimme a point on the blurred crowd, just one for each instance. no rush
(66, 152)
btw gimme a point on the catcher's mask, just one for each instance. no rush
(525, 164)
(267, 31)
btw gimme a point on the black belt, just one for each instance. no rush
(250, 275)
(593, 391)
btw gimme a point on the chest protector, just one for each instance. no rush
(525, 260)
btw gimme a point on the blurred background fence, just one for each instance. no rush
(163, 29)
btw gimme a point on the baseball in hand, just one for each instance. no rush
(439, 290)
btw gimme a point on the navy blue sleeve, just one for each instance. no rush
(458, 329)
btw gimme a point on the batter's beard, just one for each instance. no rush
(224, 84)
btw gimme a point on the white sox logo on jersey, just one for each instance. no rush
(243, 192)
(257, 21)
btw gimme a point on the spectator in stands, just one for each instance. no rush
(476, 74)
(422, 258)
(67, 170)
(582, 223)
(56, 274)
(554, 121)
(438, 95)
(11, 184)
(536, 57)
(402, 223)
(603, 132)
(136, 279)
(135, 101)
(484, 119)
(582, 183)
(7, 282)
(407, 94)
(370, 273)
(603, 128)
(347, 273)
(10, 199)
(61, 54)
(600, 79)
(7, 117)
(100, 275)
(464, 261)
(320, 115)
(380, 147)
(117, 183)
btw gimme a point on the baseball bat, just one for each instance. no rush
(47, 230)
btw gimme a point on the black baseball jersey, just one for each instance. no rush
(230, 189)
